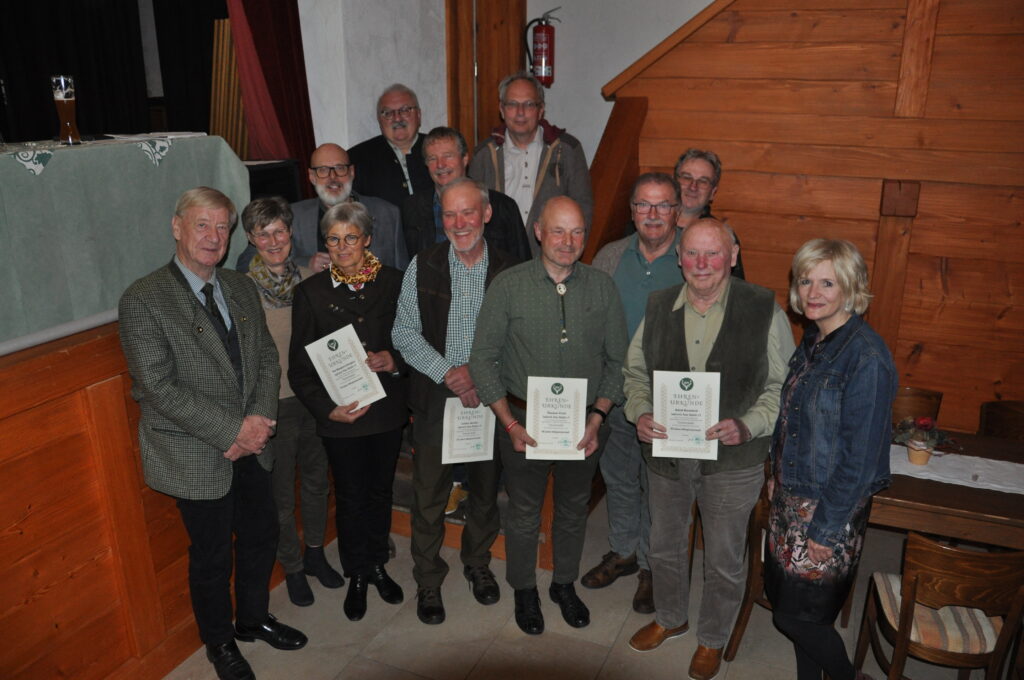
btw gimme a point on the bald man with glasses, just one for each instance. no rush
(332, 174)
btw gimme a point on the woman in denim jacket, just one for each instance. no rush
(830, 453)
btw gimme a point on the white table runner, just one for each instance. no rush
(952, 468)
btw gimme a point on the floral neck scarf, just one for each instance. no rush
(367, 272)
(276, 290)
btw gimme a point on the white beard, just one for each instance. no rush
(330, 199)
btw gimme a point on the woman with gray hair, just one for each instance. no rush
(268, 226)
(362, 442)
(829, 453)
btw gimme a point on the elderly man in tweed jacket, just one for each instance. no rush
(205, 375)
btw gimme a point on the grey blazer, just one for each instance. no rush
(388, 240)
(192, 407)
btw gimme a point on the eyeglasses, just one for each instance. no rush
(527, 106)
(264, 236)
(339, 170)
(686, 179)
(349, 239)
(404, 112)
(663, 208)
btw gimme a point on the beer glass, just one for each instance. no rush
(64, 98)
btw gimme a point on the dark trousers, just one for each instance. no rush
(248, 512)
(526, 482)
(818, 648)
(432, 482)
(364, 473)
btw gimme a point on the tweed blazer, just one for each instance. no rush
(192, 406)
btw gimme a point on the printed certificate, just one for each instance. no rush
(340, 360)
(556, 416)
(687, 405)
(468, 433)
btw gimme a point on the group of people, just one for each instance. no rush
(461, 278)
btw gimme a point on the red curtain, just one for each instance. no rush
(268, 46)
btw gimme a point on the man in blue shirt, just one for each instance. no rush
(639, 263)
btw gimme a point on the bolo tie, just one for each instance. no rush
(560, 289)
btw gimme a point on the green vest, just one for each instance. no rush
(740, 355)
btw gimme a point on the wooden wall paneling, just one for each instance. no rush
(613, 172)
(985, 17)
(898, 208)
(967, 376)
(119, 492)
(970, 222)
(787, 25)
(803, 5)
(916, 58)
(831, 61)
(459, 30)
(665, 46)
(977, 100)
(969, 167)
(874, 132)
(977, 77)
(499, 52)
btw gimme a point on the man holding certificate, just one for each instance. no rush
(721, 325)
(441, 296)
(556, 326)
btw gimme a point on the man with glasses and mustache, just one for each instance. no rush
(698, 173)
(332, 173)
(639, 264)
(542, 161)
(391, 164)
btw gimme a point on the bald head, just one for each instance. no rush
(562, 231)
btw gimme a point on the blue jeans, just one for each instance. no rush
(625, 477)
(725, 500)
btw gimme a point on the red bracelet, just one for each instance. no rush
(508, 428)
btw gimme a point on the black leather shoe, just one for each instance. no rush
(299, 591)
(315, 563)
(574, 611)
(273, 632)
(528, 616)
(481, 581)
(229, 662)
(355, 600)
(429, 607)
(389, 591)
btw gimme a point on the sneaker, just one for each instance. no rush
(456, 497)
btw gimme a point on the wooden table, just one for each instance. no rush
(954, 511)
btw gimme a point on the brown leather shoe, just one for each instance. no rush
(610, 568)
(652, 635)
(705, 663)
(643, 600)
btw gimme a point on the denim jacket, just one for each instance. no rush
(836, 424)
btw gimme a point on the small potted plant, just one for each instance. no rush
(920, 437)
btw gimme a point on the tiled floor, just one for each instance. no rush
(484, 643)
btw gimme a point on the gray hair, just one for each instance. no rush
(657, 178)
(700, 154)
(205, 197)
(521, 75)
(485, 197)
(400, 89)
(263, 211)
(446, 133)
(349, 212)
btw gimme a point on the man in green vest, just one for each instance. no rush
(717, 323)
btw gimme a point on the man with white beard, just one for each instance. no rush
(331, 174)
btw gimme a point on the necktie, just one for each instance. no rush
(214, 312)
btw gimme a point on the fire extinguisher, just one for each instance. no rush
(542, 56)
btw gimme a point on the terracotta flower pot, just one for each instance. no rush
(918, 453)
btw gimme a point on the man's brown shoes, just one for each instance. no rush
(610, 568)
(652, 635)
(643, 600)
(705, 663)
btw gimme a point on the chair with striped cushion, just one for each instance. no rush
(951, 606)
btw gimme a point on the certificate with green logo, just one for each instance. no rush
(468, 433)
(340, 361)
(686, 405)
(556, 417)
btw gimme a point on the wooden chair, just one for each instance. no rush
(951, 607)
(915, 402)
(1003, 419)
(757, 533)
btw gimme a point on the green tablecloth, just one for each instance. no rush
(78, 224)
